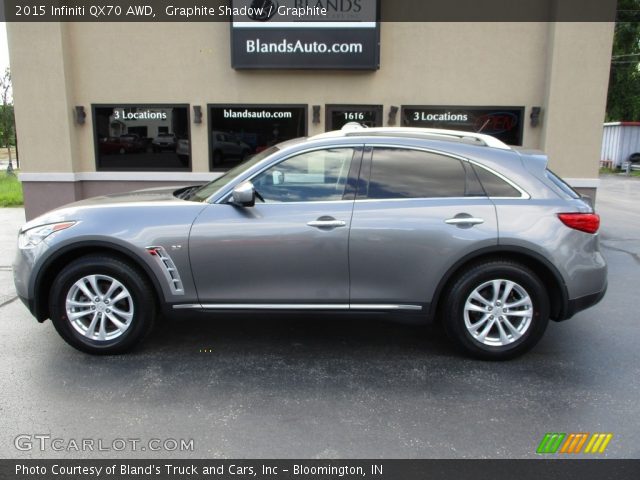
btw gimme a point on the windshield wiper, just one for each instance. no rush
(186, 193)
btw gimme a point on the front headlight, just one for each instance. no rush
(34, 236)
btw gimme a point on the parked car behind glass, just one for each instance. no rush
(164, 141)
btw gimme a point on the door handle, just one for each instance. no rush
(327, 222)
(464, 221)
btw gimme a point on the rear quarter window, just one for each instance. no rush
(561, 185)
(495, 186)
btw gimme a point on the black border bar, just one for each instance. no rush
(168, 469)
(391, 10)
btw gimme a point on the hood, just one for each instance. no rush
(157, 194)
(137, 197)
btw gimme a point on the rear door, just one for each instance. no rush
(416, 213)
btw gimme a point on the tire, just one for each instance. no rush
(514, 330)
(134, 308)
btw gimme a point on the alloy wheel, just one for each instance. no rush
(498, 312)
(99, 307)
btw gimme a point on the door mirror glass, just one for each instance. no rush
(244, 195)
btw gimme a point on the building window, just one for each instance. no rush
(339, 115)
(142, 137)
(239, 131)
(504, 123)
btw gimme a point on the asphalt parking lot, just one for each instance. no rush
(339, 387)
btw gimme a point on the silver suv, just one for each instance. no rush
(451, 226)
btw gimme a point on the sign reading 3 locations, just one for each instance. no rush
(504, 123)
(305, 34)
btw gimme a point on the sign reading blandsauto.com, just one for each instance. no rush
(305, 34)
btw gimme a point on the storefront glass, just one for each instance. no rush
(239, 131)
(142, 137)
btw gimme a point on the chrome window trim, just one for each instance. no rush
(305, 203)
(523, 193)
(223, 197)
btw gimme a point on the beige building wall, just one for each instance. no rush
(562, 68)
(576, 97)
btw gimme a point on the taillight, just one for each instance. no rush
(585, 222)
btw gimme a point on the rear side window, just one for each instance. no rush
(494, 185)
(562, 185)
(404, 173)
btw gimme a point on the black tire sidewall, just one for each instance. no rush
(133, 281)
(474, 277)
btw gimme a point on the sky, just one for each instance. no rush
(4, 51)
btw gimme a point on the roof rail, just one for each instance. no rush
(352, 129)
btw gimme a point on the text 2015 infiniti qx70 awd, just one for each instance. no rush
(453, 226)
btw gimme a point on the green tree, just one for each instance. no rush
(7, 119)
(623, 102)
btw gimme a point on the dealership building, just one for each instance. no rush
(108, 107)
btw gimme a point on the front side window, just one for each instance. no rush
(319, 175)
(404, 173)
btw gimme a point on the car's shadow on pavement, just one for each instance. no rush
(268, 352)
(287, 333)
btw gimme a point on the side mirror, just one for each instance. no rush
(244, 195)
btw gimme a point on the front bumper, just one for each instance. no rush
(23, 269)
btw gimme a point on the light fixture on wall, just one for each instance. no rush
(393, 111)
(536, 112)
(316, 114)
(197, 114)
(80, 115)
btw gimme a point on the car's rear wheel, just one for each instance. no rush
(101, 305)
(496, 310)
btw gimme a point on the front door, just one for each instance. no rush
(291, 248)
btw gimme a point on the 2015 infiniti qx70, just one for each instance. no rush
(453, 226)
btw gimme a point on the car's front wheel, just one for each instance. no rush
(496, 310)
(101, 305)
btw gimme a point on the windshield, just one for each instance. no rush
(208, 189)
